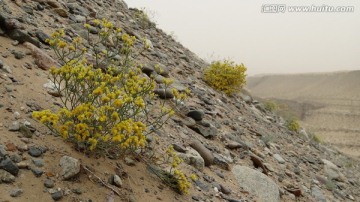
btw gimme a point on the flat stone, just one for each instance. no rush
(257, 183)
(16, 192)
(279, 158)
(6, 176)
(15, 126)
(129, 161)
(317, 194)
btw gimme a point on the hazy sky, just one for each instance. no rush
(288, 42)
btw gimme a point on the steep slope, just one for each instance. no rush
(249, 154)
(336, 118)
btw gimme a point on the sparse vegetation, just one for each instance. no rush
(226, 76)
(293, 125)
(267, 139)
(270, 105)
(145, 18)
(330, 185)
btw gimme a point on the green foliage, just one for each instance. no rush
(293, 125)
(226, 76)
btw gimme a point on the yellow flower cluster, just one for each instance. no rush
(46, 117)
(183, 183)
(226, 76)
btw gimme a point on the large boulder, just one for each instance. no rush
(42, 59)
(256, 182)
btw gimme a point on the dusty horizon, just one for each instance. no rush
(267, 41)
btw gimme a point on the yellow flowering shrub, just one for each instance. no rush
(293, 125)
(106, 103)
(226, 76)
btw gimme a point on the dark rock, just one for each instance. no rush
(209, 133)
(206, 154)
(164, 94)
(197, 115)
(148, 70)
(57, 195)
(7, 165)
(18, 55)
(3, 152)
(28, 10)
(21, 37)
(179, 148)
(296, 191)
(25, 131)
(37, 172)
(35, 151)
(201, 185)
(39, 7)
(38, 162)
(42, 37)
(49, 183)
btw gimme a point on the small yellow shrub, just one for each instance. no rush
(293, 125)
(175, 178)
(226, 76)
(270, 105)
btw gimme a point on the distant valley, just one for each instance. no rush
(328, 104)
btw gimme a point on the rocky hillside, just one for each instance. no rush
(327, 103)
(239, 151)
